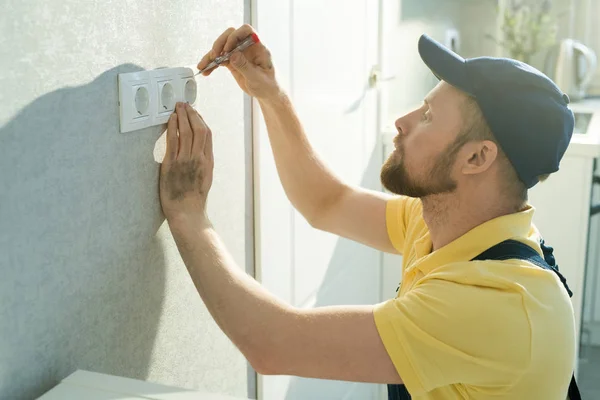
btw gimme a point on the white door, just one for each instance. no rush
(325, 52)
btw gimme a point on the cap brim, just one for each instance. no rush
(444, 63)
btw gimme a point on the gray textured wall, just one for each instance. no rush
(90, 277)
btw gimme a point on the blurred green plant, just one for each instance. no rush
(528, 27)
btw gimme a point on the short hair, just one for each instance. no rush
(476, 128)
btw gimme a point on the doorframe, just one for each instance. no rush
(250, 215)
(277, 39)
(277, 36)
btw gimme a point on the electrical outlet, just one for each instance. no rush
(141, 99)
(147, 98)
(135, 100)
(190, 91)
(166, 97)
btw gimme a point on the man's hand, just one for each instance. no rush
(339, 343)
(252, 69)
(187, 170)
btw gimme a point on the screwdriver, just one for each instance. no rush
(249, 41)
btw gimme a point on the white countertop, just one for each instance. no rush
(94, 386)
(584, 146)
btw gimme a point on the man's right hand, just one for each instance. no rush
(252, 69)
(314, 190)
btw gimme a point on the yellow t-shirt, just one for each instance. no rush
(475, 329)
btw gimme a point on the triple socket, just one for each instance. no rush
(148, 98)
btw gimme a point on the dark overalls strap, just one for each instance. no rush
(510, 249)
(517, 250)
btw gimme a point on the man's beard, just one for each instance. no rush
(396, 179)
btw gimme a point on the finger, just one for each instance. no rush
(185, 132)
(172, 139)
(199, 129)
(243, 66)
(264, 60)
(219, 44)
(234, 38)
(217, 48)
(208, 145)
(207, 59)
(210, 71)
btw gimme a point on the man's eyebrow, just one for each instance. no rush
(427, 102)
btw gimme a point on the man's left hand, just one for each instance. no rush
(187, 170)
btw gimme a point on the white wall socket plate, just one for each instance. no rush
(147, 98)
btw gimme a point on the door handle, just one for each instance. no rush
(375, 77)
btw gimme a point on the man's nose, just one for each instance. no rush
(402, 124)
(405, 123)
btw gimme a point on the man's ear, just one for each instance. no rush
(478, 156)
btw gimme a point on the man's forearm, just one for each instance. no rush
(246, 312)
(308, 183)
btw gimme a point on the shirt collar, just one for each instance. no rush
(475, 241)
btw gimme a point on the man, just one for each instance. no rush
(461, 169)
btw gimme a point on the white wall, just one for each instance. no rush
(407, 20)
(91, 277)
(587, 30)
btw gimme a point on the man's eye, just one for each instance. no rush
(426, 116)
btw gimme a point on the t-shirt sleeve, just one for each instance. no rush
(400, 210)
(442, 333)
